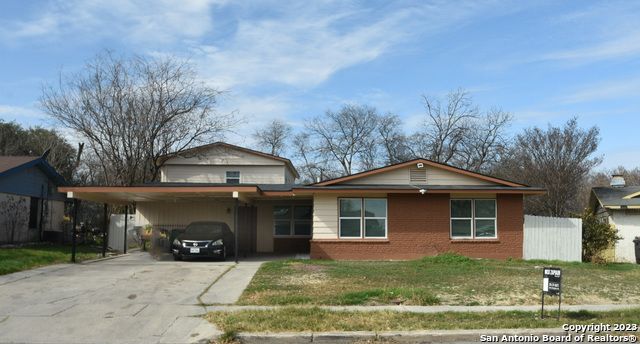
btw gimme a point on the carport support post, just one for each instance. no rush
(104, 231)
(235, 224)
(126, 218)
(76, 204)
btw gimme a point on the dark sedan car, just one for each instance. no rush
(203, 239)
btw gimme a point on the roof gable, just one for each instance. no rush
(441, 174)
(617, 196)
(13, 164)
(221, 153)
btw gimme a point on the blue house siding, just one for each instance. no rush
(30, 182)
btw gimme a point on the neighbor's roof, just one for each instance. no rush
(14, 164)
(9, 162)
(611, 197)
(426, 162)
(228, 145)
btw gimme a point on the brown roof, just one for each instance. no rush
(9, 162)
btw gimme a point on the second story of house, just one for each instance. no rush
(225, 163)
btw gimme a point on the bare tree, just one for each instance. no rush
(446, 127)
(273, 136)
(132, 111)
(485, 142)
(312, 164)
(393, 140)
(346, 135)
(559, 159)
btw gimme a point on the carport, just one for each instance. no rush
(236, 200)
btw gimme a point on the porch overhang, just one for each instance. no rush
(129, 194)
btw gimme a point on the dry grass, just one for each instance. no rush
(295, 319)
(447, 279)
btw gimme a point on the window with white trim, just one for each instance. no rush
(292, 220)
(362, 218)
(233, 177)
(473, 218)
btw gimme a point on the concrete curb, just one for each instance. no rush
(439, 336)
(427, 309)
(102, 259)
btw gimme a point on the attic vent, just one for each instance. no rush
(417, 175)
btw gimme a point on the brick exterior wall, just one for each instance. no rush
(290, 245)
(418, 225)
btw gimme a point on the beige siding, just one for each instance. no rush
(217, 174)
(398, 176)
(183, 213)
(435, 176)
(325, 216)
(438, 176)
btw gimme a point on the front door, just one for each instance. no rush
(247, 229)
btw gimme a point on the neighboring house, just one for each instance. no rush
(31, 208)
(619, 205)
(401, 211)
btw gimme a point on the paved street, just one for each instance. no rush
(130, 299)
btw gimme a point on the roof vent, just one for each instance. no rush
(417, 176)
(617, 181)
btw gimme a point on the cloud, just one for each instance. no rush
(623, 47)
(20, 113)
(604, 90)
(142, 21)
(306, 43)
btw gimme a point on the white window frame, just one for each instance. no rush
(363, 219)
(494, 218)
(226, 177)
(473, 219)
(292, 221)
(451, 218)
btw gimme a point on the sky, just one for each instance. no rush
(542, 61)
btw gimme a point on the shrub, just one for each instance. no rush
(597, 236)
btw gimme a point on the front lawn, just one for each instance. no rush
(292, 319)
(29, 257)
(447, 279)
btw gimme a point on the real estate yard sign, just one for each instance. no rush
(551, 285)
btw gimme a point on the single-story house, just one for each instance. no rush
(619, 205)
(401, 211)
(31, 208)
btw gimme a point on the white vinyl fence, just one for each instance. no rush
(116, 226)
(552, 238)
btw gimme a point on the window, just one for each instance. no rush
(473, 218)
(233, 177)
(292, 220)
(363, 217)
(33, 212)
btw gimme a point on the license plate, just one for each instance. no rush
(194, 250)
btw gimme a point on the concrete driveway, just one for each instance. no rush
(129, 299)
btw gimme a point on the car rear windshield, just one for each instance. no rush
(204, 229)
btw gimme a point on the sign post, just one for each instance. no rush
(551, 285)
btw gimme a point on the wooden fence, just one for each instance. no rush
(552, 238)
